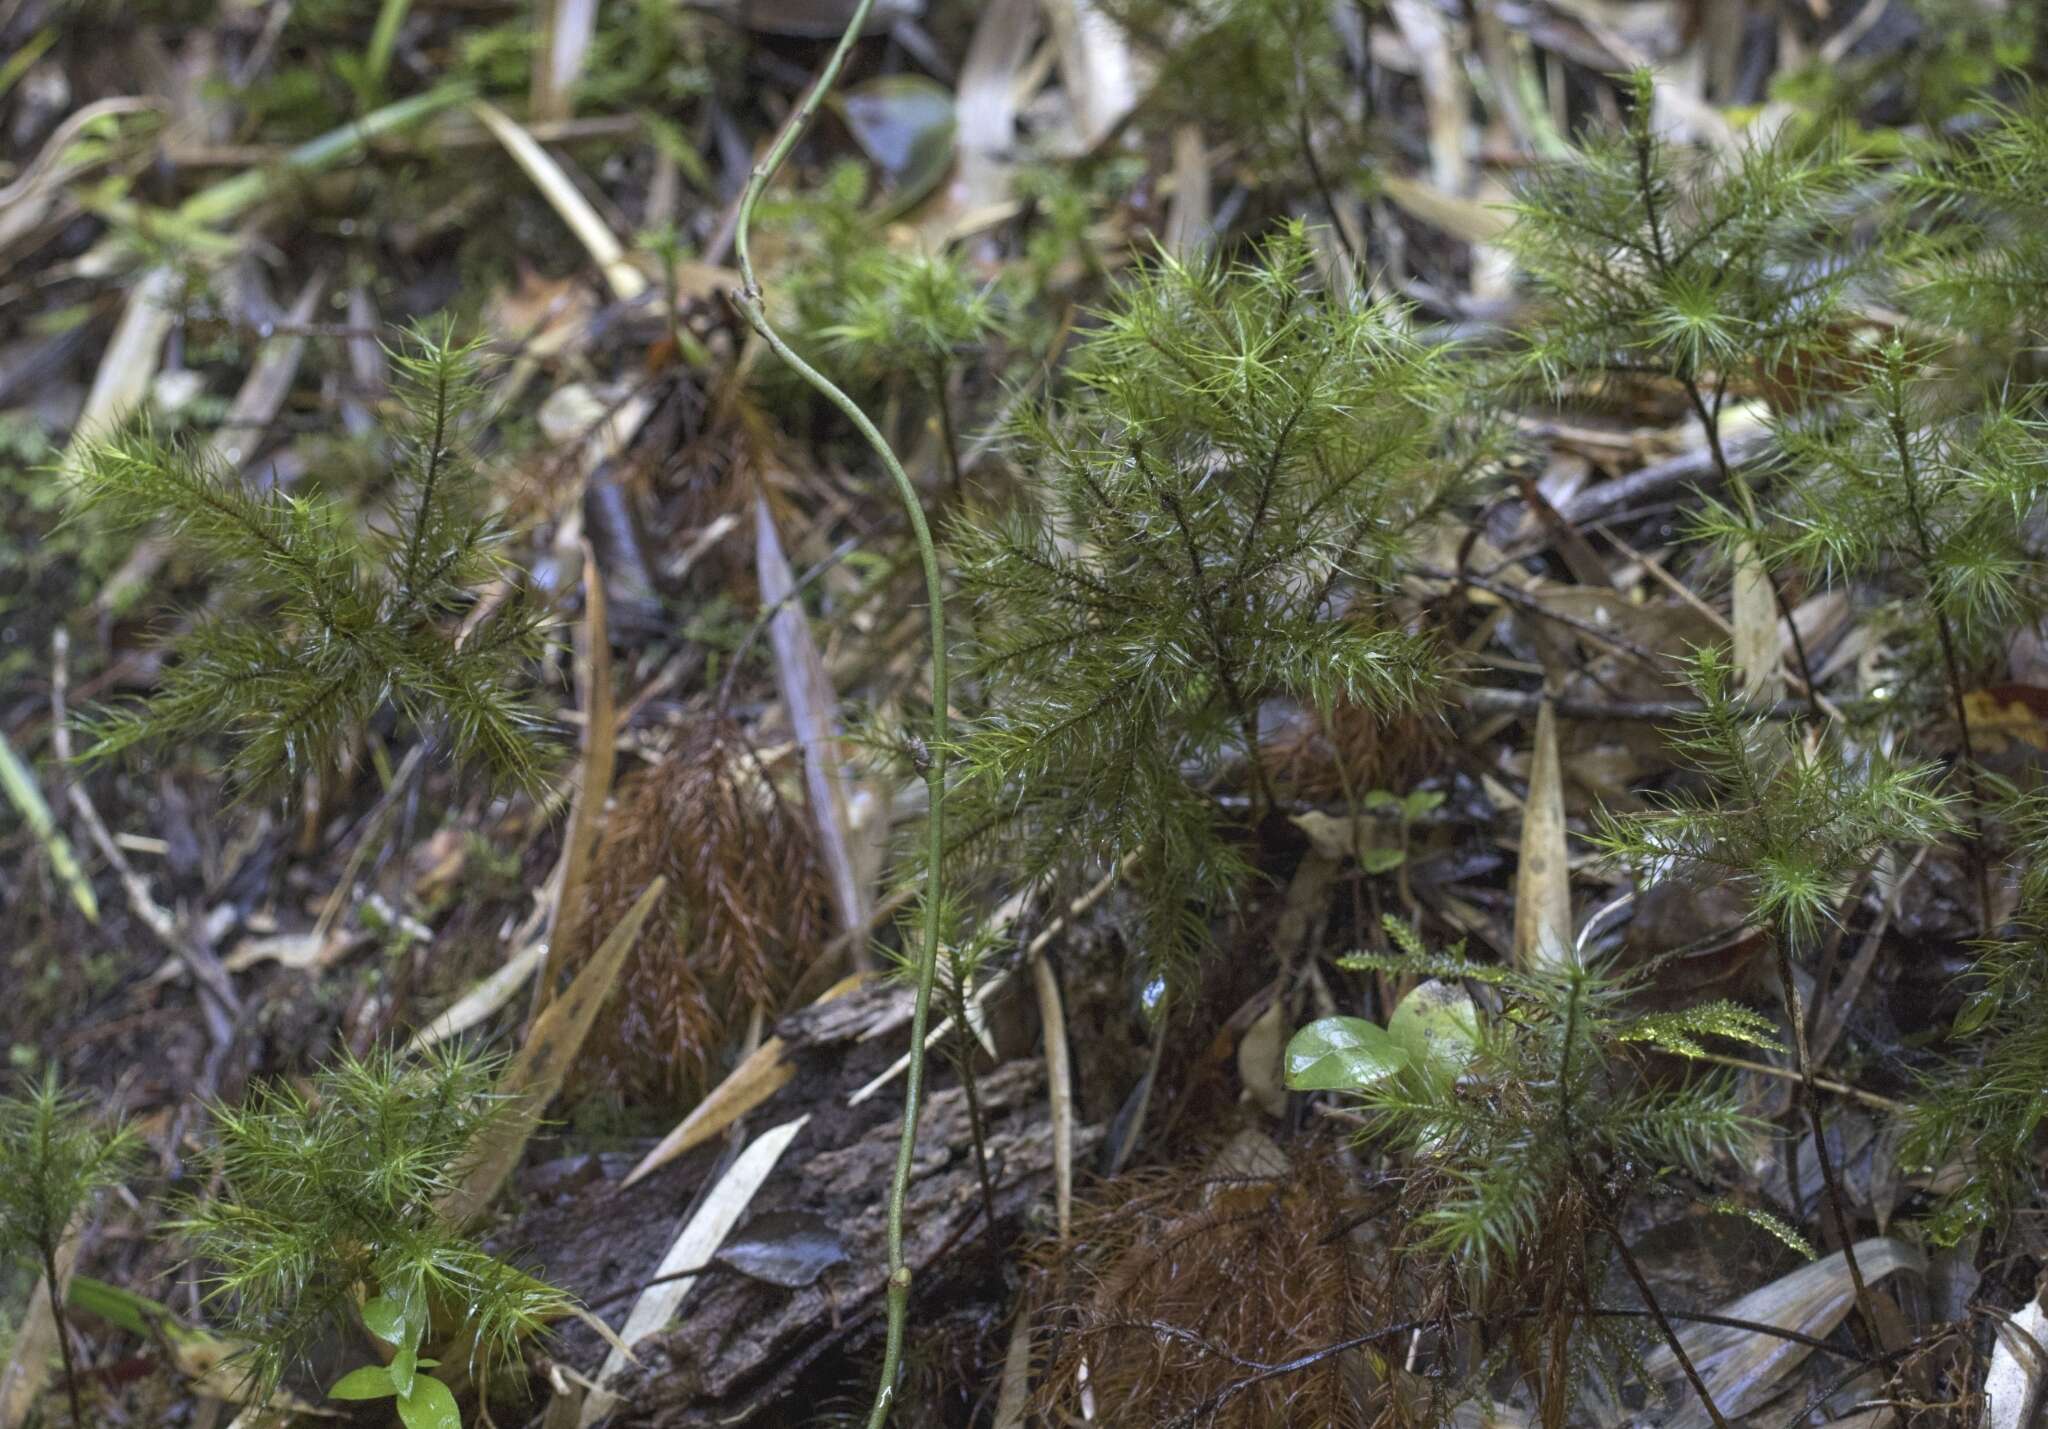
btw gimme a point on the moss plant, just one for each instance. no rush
(330, 625)
(1529, 1122)
(55, 1156)
(1210, 515)
(1789, 821)
(327, 1218)
(1704, 272)
(1984, 267)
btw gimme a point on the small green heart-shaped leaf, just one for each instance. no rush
(1340, 1054)
(1381, 860)
(431, 1405)
(1437, 1027)
(372, 1381)
(384, 1317)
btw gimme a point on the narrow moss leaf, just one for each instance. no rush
(431, 1405)
(1337, 1054)
(1436, 1027)
(372, 1381)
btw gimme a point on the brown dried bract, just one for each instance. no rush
(1182, 1286)
(747, 912)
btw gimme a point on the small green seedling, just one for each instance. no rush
(54, 1158)
(329, 1218)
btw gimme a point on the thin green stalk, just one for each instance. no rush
(748, 300)
(383, 41)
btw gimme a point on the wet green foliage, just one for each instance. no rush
(1787, 817)
(1212, 515)
(327, 1217)
(325, 625)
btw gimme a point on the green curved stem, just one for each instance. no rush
(748, 300)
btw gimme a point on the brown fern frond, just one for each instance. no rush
(748, 909)
(1180, 1284)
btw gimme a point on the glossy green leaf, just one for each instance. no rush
(1335, 1054)
(372, 1381)
(384, 1317)
(431, 1405)
(1436, 1026)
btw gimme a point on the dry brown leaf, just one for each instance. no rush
(594, 788)
(1742, 1368)
(809, 699)
(536, 1071)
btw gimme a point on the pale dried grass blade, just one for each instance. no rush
(1753, 616)
(700, 1238)
(1543, 880)
(1742, 1368)
(1192, 210)
(257, 402)
(482, 1001)
(130, 362)
(35, 1342)
(536, 1071)
(565, 36)
(627, 282)
(985, 103)
(1059, 1083)
(1446, 96)
(809, 699)
(262, 394)
(1013, 1393)
(2019, 1365)
(32, 196)
(1465, 218)
(1097, 68)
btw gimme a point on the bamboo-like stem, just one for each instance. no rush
(748, 301)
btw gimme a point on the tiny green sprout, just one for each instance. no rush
(54, 1158)
(915, 314)
(328, 1218)
(334, 623)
